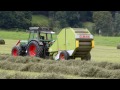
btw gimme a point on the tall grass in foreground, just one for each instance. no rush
(72, 67)
(7, 74)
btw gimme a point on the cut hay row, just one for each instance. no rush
(74, 63)
(73, 67)
(11, 74)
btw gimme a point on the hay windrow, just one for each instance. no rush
(71, 67)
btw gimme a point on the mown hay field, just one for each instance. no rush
(37, 68)
(99, 53)
(105, 63)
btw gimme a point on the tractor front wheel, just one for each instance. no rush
(64, 55)
(16, 51)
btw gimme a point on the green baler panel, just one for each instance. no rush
(65, 40)
(70, 39)
(54, 47)
(61, 40)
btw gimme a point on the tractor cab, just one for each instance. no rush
(41, 34)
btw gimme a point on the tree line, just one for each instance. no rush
(106, 22)
(15, 19)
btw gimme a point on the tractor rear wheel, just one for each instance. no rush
(87, 57)
(16, 51)
(34, 49)
(64, 55)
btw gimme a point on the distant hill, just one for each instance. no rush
(40, 20)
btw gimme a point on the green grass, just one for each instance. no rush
(105, 51)
(105, 48)
(13, 35)
(40, 20)
(99, 40)
(99, 53)
(107, 41)
(6, 49)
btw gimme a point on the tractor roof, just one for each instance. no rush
(42, 29)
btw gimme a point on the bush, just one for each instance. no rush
(2, 41)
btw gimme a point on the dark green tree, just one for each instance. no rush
(104, 22)
(71, 18)
(117, 24)
(15, 19)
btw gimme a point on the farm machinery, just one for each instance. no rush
(70, 43)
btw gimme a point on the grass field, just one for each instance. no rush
(105, 52)
(99, 53)
(104, 46)
(99, 40)
(107, 41)
(40, 20)
(6, 49)
(13, 35)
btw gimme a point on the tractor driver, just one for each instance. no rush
(42, 37)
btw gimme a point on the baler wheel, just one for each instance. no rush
(64, 55)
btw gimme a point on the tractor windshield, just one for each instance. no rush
(46, 36)
(41, 34)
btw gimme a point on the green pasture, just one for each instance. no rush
(104, 53)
